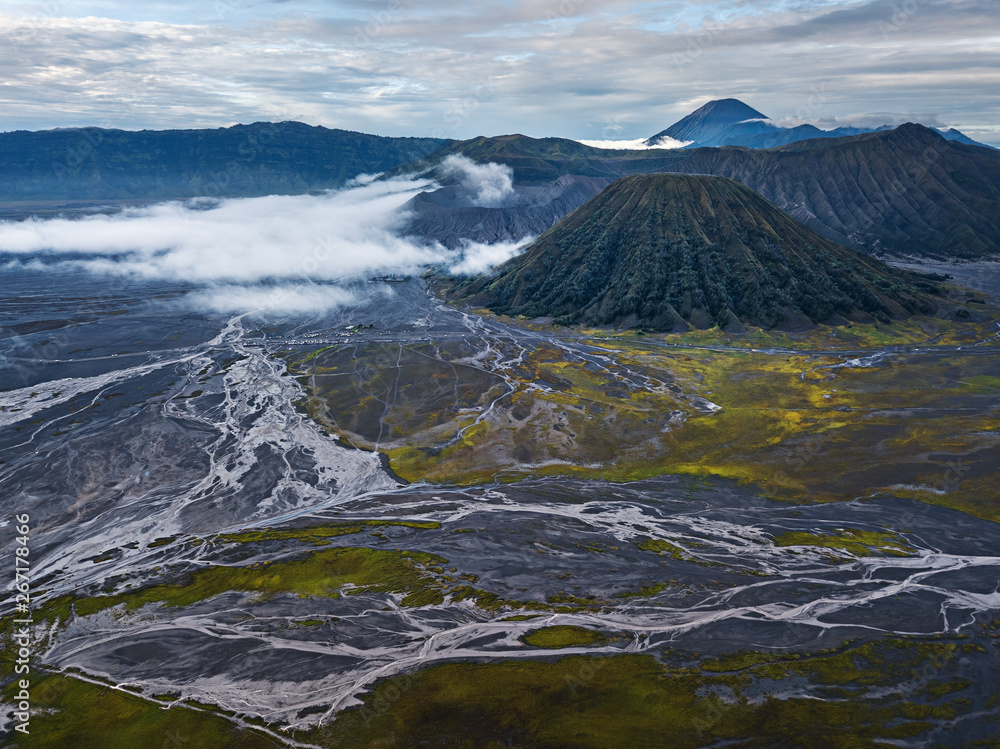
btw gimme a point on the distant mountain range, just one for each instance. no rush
(730, 122)
(672, 251)
(906, 191)
(264, 158)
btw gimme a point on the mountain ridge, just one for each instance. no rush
(906, 191)
(262, 158)
(899, 192)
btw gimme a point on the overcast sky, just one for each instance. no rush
(585, 69)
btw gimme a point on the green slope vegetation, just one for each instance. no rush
(666, 251)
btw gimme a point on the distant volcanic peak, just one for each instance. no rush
(728, 111)
(730, 122)
(669, 251)
(713, 117)
(707, 124)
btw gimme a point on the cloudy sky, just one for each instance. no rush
(585, 69)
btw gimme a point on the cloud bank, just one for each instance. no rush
(292, 254)
(329, 237)
(286, 299)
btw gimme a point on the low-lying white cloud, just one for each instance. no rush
(640, 144)
(289, 299)
(282, 254)
(327, 237)
(488, 184)
(478, 258)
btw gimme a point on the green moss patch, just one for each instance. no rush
(630, 701)
(323, 573)
(563, 636)
(319, 533)
(72, 713)
(662, 547)
(853, 541)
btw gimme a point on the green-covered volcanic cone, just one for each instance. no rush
(666, 251)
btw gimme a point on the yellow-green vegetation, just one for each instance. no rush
(982, 384)
(857, 542)
(69, 712)
(332, 572)
(319, 533)
(905, 667)
(579, 702)
(635, 701)
(645, 591)
(805, 424)
(893, 662)
(429, 388)
(156, 543)
(325, 573)
(811, 428)
(662, 547)
(563, 636)
(521, 617)
(312, 355)
(914, 331)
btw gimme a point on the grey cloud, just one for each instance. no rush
(560, 67)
